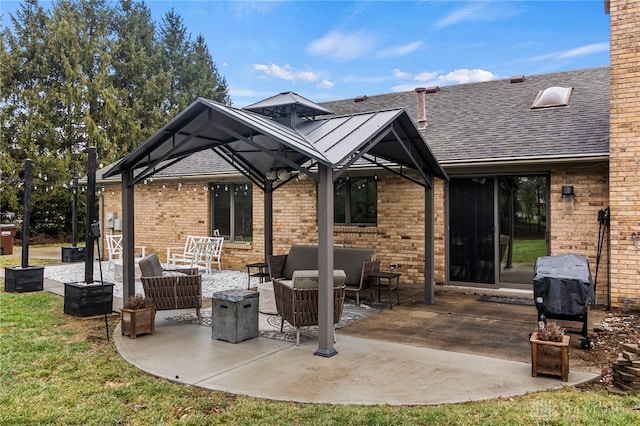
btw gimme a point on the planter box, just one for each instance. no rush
(73, 254)
(550, 358)
(22, 280)
(86, 300)
(137, 321)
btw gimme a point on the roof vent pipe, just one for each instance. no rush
(361, 98)
(422, 112)
(517, 79)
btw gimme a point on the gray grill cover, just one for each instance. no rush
(562, 284)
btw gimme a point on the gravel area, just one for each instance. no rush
(217, 281)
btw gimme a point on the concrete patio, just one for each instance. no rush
(458, 350)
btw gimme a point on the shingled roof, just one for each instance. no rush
(490, 122)
(494, 121)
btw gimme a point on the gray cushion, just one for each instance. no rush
(348, 259)
(300, 258)
(309, 278)
(150, 266)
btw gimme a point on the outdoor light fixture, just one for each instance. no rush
(271, 175)
(281, 174)
(567, 198)
(567, 191)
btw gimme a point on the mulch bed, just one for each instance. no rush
(607, 338)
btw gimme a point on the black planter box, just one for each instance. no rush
(86, 300)
(73, 254)
(22, 280)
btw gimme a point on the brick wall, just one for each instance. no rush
(164, 216)
(574, 223)
(624, 176)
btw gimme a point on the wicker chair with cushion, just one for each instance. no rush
(297, 299)
(171, 288)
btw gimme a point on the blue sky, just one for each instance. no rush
(330, 50)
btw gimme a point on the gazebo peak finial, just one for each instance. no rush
(288, 108)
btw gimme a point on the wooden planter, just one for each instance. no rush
(21, 280)
(137, 321)
(86, 300)
(550, 358)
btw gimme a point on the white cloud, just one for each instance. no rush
(402, 75)
(585, 50)
(479, 11)
(341, 46)
(463, 75)
(398, 51)
(589, 49)
(433, 78)
(426, 76)
(285, 72)
(326, 84)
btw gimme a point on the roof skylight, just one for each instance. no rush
(552, 96)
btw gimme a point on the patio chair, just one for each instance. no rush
(114, 249)
(297, 299)
(197, 251)
(365, 281)
(171, 288)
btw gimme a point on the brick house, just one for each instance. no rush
(521, 175)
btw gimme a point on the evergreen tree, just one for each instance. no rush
(89, 73)
(204, 79)
(176, 45)
(138, 75)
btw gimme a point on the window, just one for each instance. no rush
(356, 201)
(232, 209)
(552, 96)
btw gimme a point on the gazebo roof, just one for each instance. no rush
(256, 144)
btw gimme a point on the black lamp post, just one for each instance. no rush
(74, 253)
(89, 298)
(25, 278)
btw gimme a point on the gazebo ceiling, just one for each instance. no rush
(292, 137)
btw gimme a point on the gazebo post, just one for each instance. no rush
(268, 219)
(429, 233)
(325, 263)
(128, 230)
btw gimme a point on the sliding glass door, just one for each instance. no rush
(471, 229)
(497, 229)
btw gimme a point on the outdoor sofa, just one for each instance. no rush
(305, 257)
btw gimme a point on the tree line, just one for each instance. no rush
(89, 73)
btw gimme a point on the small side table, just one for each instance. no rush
(385, 281)
(262, 273)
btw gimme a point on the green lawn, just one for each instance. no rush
(57, 369)
(528, 251)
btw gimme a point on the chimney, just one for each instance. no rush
(422, 112)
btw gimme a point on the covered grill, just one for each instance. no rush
(562, 289)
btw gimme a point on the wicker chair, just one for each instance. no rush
(171, 288)
(299, 306)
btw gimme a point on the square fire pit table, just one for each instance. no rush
(234, 315)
